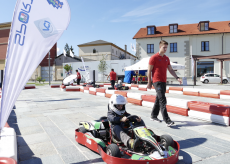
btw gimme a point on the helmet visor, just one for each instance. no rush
(120, 107)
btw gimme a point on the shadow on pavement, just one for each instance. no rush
(96, 160)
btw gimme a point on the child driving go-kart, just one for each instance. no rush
(117, 117)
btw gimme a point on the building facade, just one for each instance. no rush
(97, 49)
(204, 38)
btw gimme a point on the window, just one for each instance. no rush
(173, 28)
(205, 46)
(205, 67)
(215, 75)
(150, 48)
(112, 50)
(151, 30)
(173, 47)
(204, 26)
(94, 50)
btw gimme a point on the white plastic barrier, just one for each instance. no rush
(92, 89)
(72, 87)
(134, 88)
(100, 94)
(128, 85)
(81, 87)
(191, 89)
(227, 97)
(181, 103)
(86, 91)
(136, 96)
(209, 117)
(8, 143)
(75, 84)
(152, 90)
(142, 86)
(147, 104)
(176, 92)
(110, 91)
(212, 91)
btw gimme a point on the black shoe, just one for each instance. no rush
(170, 123)
(155, 119)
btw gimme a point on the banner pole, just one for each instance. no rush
(49, 67)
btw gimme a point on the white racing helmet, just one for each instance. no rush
(115, 100)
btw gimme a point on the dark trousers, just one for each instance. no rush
(78, 81)
(160, 102)
(112, 83)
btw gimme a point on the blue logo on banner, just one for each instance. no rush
(23, 17)
(45, 27)
(55, 3)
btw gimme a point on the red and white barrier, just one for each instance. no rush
(211, 112)
(134, 98)
(72, 88)
(134, 88)
(123, 93)
(63, 87)
(86, 91)
(177, 106)
(147, 104)
(8, 143)
(142, 87)
(110, 92)
(4, 160)
(225, 94)
(81, 89)
(176, 90)
(55, 85)
(101, 90)
(191, 92)
(31, 86)
(100, 94)
(211, 93)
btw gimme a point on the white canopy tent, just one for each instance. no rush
(143, 65)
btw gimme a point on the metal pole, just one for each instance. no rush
(221, 68)
(194, 72)
(49, 67)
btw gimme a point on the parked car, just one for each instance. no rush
(213, 78)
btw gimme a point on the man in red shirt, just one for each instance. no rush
(78, 77)
(113, 77)
(158, 65)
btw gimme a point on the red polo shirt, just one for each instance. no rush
(78, 75)
(160, 66)
(113, 75)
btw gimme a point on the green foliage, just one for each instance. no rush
(67, 49)
(43, 80)
(39, 79)
(71, 48)
(102, 65)
(67, 67)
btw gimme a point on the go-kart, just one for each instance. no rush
(98, 136)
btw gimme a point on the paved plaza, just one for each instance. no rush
(45, 120)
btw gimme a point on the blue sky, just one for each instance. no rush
(117, 21)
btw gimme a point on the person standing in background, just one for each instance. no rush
(78, 77)
(113, 77)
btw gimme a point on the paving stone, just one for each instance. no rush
(222, 159)
(53, 131)
(32, 139)
(27, 122)
(31, 130)
(60, 141)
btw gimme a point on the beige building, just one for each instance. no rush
(97, 49)
(204, 38)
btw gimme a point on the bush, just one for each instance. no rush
(39, 79)
(43, 80)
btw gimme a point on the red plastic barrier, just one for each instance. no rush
(73, 89)
(55, 86)
(86, 88)
(81, 90)
(167, 91)
(123, 85)
(108, 95)
(107, 84)
(134, 85)
(30, 87)
(217, 109)
(92, 92)
(89, 86)
(177, 110)
(149, 98)
(225, 92)
(191, 93)
(121, 93)
(216, 96)
(101, 85)
(102, 90)
(176, 88)
(4, 160)
(142, 89)
(134, 101)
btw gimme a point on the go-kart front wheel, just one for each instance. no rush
(166, 141)
(113, 150)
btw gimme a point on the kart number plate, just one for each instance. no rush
(142, 132)
(88, 141)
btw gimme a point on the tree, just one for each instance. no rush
(67, 49)
(67, 67)
(102, 66)
(71, 48)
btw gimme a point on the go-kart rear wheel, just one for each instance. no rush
(113, 150)
(82, 129)
(166, 141)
